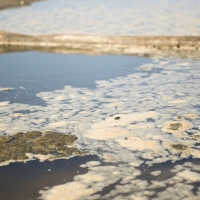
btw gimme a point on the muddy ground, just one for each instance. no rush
(99, 44)
(4, 4)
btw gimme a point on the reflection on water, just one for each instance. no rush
(132, 17)
(32, 72)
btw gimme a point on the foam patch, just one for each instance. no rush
(71, 191)
(190, 176)
(106, 133)
(6, 89)
(137, 144)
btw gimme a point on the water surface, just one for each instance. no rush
(33, 72)
(110, 17)
(139, 115)
(22, 181)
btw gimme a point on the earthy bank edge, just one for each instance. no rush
(97, 44)
(4, 4)
(50, 144)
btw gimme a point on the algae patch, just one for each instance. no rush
(177, 127)
(179, 147)
(196, 137)
(56, 144)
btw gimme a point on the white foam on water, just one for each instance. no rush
(19, 115)
(178, 101)
(106, 133)
(137, 144)
(3, 127)
(4, 103)
(189, 176)
(127, 129)
(6, 89)
(58, 124)
(71, 191)
(125, 119)
(128, 17)
(191, 116)
(155, 173)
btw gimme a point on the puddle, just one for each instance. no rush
(32, 72)
(140, 116)
(24, 180)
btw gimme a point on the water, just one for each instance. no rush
(33, 72)
(111, 17)
(23, 181)
(120, 108)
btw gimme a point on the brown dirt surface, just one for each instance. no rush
(5, 4)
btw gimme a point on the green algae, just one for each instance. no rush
(58, 145)
(179, 147)
(5, 139)
(179, 117)
(33, 134)
(196, 137)
(175, 126)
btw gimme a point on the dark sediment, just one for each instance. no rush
(98, 44)
(4, 4)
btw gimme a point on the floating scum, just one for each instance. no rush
(142, 131)
(23, 146)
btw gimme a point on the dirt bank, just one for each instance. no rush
(101, 44)
(15, 3)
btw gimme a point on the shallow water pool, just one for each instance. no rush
(139, 115)
(32, 72)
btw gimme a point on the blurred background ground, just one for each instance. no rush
(110, 17)
(15, 3)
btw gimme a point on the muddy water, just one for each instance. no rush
(111, 17)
